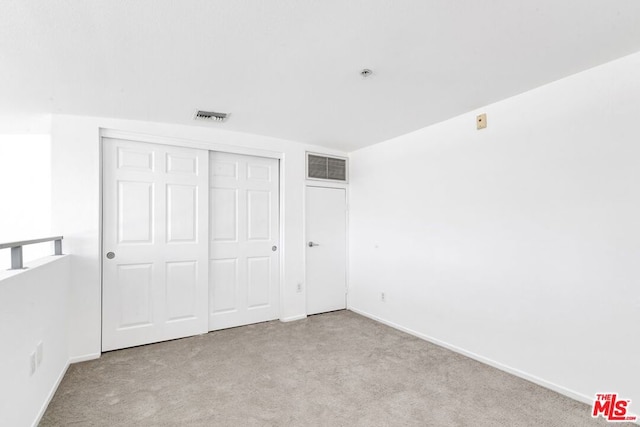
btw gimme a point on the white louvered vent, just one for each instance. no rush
(326, 168)
(211, 116)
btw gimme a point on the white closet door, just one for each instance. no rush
(244, 240)
(326, 264)
(155, 237)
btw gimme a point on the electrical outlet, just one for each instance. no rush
(32, 360)
(39, 350)
(299, 287)
(383, 297)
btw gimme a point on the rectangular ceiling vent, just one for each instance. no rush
(211, 116)
(326, 168)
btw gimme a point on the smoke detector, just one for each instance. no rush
(210, 116)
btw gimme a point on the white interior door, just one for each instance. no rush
(244, 248)
(326, 262)
(155, 236)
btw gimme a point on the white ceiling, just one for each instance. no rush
(290, 68)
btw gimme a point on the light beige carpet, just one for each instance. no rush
(335, 369)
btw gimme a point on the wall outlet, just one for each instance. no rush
(39, 350)
(383, 297)
(32, 361)
(299, 287)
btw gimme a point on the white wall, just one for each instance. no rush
(33, 308)
(520, 243)
(25, 196)
(76, 209)
(25, 124)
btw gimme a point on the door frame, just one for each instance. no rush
(330, 185)
(186, 143)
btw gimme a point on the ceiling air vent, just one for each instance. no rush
(326, 168)
(211, 116)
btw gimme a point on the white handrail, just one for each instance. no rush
(16, 249)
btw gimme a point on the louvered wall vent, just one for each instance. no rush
(210, 116)
(326, 168)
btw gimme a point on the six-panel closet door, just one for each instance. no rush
(244, 234)
(190, 242)
(155, 236)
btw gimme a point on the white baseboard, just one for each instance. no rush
(536, 380)
(52, 392)
(84, 357)
(293, 318)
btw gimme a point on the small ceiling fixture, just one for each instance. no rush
(366, 73)
(210, 116)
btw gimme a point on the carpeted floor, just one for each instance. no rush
(335, 369)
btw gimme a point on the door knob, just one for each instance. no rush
(111, 255)
(311, 244)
